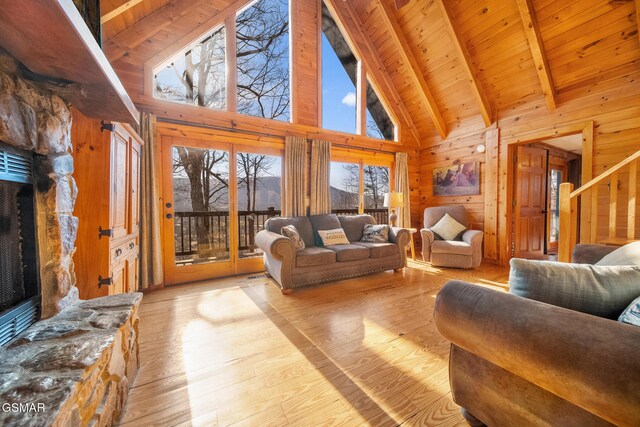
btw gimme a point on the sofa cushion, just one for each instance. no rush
(291, 232)
(453, 247)
(631, 314)
(380, 250)
(346, 253)
(374, 233)
(323, 222)
(448, 228)
(353, 225)
(628, 254)
(603, 291)
(333, 237)
(313, 256)
(302, 224)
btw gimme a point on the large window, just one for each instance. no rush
(262, 40)
(358, 187)
(341, 100)
(259, 178)
(196, 76)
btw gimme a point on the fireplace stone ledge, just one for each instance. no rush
(72, 369)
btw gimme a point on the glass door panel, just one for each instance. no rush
(201, 205)
(345, 188)
(555, 179)
(376, 184)
(259, 196)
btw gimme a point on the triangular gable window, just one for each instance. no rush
(196, 75)
(340, 87)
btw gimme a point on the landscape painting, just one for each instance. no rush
(462, 179)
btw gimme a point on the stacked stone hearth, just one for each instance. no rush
(76, 365)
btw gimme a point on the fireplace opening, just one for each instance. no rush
(19, 277)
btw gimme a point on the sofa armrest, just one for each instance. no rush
(586, 360)
(590, 254)
(427, 240)
(399, 236)
(274, 244)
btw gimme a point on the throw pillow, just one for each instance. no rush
(631, 314)
(628, 254)
(291, 232)
(375, 233)
(599, 290)
(333, 237)
(448, 228)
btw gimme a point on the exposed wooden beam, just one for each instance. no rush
(393, 30)
(467, 63)
(528, 15)
(118, 10)
(350, 25)
(128, 39)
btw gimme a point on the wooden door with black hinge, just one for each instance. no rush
(530, 202)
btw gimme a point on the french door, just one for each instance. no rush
(217, 196)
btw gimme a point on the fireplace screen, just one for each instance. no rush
(19, 288)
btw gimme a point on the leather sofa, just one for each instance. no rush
(317, 264)
(520, 362)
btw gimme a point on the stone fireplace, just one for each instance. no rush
(75, 365)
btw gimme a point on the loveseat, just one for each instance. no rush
(316, 263)
(516, 361)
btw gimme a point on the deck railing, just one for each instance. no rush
(569, 208)
(208, 231)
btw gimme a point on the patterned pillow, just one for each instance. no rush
(448, 228)
(291, 232)
(631, 314)
(333, 237)
(374, 233)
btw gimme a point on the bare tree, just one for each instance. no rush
(376, 183)
(251, 167)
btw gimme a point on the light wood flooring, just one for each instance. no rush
(235, 351)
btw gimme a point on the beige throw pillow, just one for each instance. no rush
(333, 237)
(448, 228)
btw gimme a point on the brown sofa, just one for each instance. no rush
(519, 362)
(316, 264)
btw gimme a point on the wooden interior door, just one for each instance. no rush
(530, 202)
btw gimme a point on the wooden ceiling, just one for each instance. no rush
(453, 62)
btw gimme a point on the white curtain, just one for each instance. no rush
(151, 274)
(402, 186)
(320, 186)
(295, 169)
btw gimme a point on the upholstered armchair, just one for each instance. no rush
(463, 252)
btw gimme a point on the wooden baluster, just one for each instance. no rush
(593, 237)
(568, 222)
(633, 190)
(613, 206)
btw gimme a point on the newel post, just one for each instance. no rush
(568, 222)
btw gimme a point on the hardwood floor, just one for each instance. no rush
(235, 351)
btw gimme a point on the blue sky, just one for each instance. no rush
(338, 93)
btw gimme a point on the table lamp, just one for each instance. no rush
(393, 201)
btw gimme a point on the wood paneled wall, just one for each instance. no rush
(613, 107)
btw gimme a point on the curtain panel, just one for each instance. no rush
(320, 185)
(151, 273)
(295, 170)
(402, 186)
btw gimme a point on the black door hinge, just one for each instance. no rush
(103, 232)
(107, 126)
(107, 281)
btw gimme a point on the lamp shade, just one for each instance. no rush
(393, 200)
